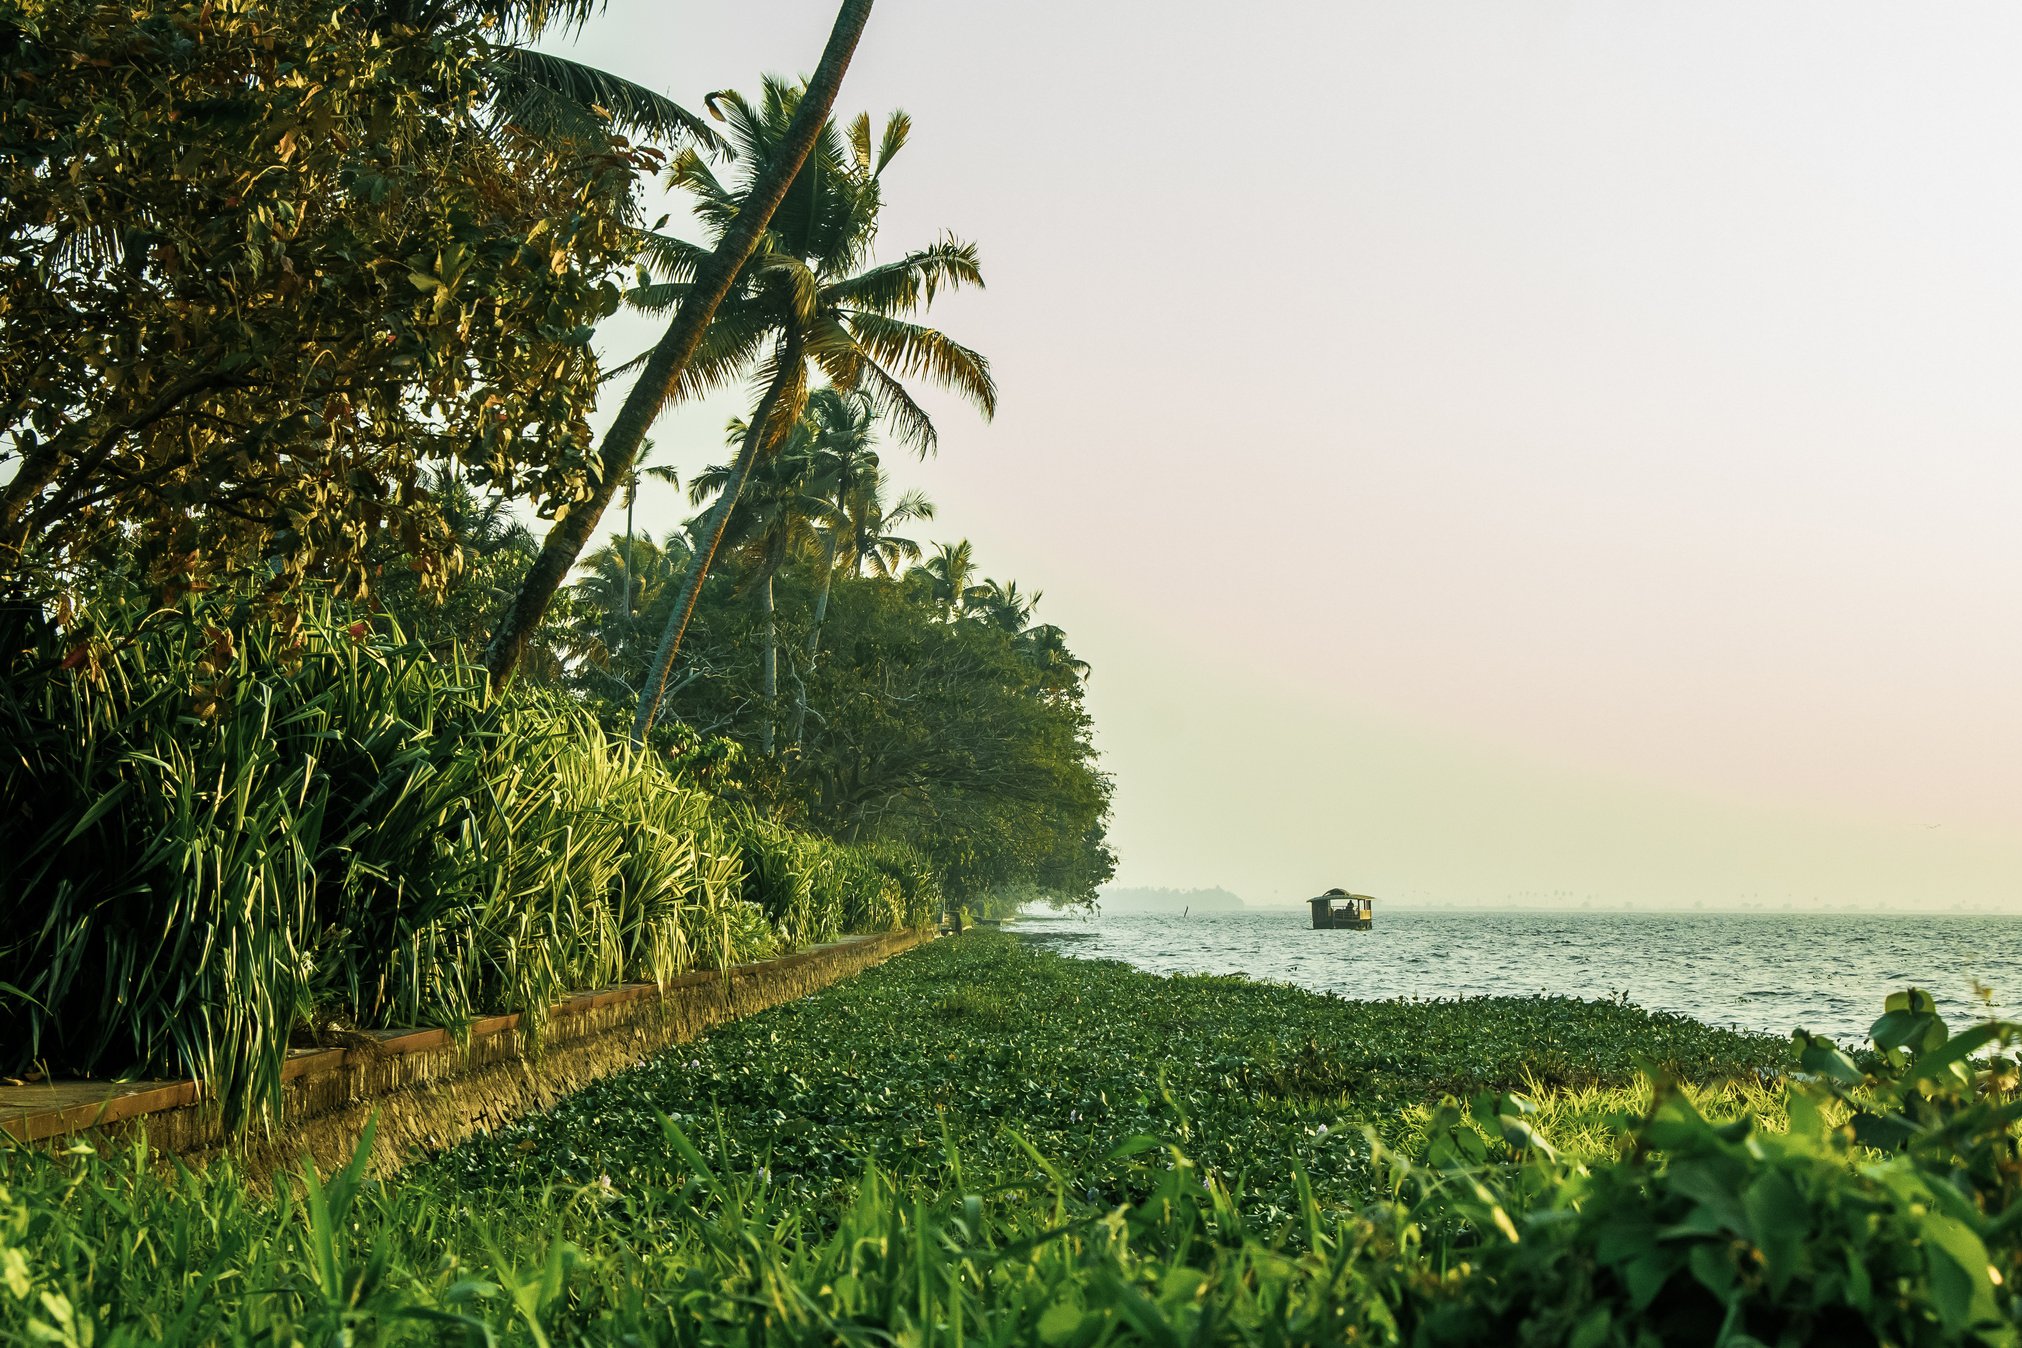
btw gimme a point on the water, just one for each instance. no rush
(1776, 972)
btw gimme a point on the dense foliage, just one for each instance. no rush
(297, 309)
(927, 724)
(913, 1156)
(261, 263)
(220, 826)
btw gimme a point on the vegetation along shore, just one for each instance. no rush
(981, 1141)
(348, 683)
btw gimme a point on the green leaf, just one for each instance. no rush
(1061, 1323)
(1961, 1282)
(1781, 1221)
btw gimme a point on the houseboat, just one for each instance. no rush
(1338, 910)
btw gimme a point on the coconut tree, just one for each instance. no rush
(811, 299)
(950, 576)
(1046, 646)
(617, 582)
(870, 517)
(839, 428)
(774, 518)
(1000, 604)
(665, 369)
(658, 473)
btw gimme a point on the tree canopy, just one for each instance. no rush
(262, 265)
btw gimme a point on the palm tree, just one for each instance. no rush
(870, 516)
(808, 298)
(658, 474)
(1046, 645)
(774, 518)
(1000, 604)
(667, 366)
(950, 576)
(618, 582)
(839, 428)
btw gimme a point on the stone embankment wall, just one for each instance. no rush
(432, 1088)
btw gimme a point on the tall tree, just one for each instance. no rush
(773, 519)
(839, 430)
(259, 270)
(806, 302)
(659, 473)
(709, 284)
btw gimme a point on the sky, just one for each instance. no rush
(1547, 452)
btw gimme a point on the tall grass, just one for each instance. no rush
(218, 827)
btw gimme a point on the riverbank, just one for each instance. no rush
(977, 1140)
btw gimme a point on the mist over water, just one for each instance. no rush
(1826, 973)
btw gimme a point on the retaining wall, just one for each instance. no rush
(431, 1088)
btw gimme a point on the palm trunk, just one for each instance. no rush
(768, 664)
(671, 355)
(631, 500)
(814, 638)
(699, 563)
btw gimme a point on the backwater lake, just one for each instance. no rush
(1775, 972)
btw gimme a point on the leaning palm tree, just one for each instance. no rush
(665, 368)
(810, 298)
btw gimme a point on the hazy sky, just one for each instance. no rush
(1484, 449)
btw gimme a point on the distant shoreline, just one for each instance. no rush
(1398, 906)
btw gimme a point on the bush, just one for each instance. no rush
(1889, 1212)
(219, 825)
(919, 888)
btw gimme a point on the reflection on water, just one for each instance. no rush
(1825, 972)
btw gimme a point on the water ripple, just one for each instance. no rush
(1827, 973)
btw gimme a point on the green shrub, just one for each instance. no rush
(218, 825)
(1888, 1212)
(919, 886)
(814, 889)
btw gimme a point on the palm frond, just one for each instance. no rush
(671, 258)
(909, 284)
(913, 350)
(911, 505)
(545, 85)
(729, 346)
(908, 420)
(898, 129)
(860, 141)
(793, 277)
